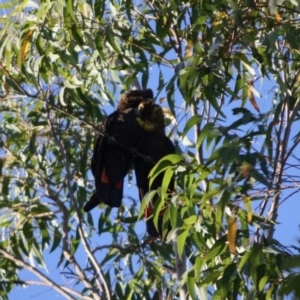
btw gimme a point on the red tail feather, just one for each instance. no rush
(119, 185)
(104, 177)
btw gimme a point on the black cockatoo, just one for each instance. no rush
(110, 162)
(155, 146)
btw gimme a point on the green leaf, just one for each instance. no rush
(198, 268)
(56, 239)
(262, 283)
(270, 291)
(273, 7)
(256, 255)
(118, 289)
(190, 220)
(259, 177)
(38, 254)
(291, 262)
(111, 254)
(163, 164)
(32, 147)
(191, 287)
(229, 273)
(61, 96)
(190, 123)
(181, 238)
(213, 101)
(99, 9)
(77, 34)
(173, 215)
(23, 245)
(145, 201)
(158, 207)
(217, 249)
(224, 200)
(5, 185)
(205, 132)
(70, 9)
(166, 182)
(28, 231)
(246, 63)
(253, 272)
(245, 258)
(211, 277)
(110, 36)
(248, 204)
(75, 242)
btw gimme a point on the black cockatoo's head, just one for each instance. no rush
(151, 116)
(133, 98)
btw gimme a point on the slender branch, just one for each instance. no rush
(288, 116)
(291, 117)
(281, 154)
(199, 153)
(66, 251)
(289, 196)
(177, 43)
(180, 261)
(41, 283)
(129, 249)
(18, 84)
(180, 267)
(36, 272)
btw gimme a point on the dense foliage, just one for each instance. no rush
(229, 72)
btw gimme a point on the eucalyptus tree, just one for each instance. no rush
(229, 72)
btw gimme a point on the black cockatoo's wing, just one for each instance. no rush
(111, 162)
(155, 146)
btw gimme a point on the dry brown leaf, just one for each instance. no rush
(278, 18)
(246, 168)
(231, 234)
(162, 100)
(247, 201)
(26, 44)
(274, 122)
(188, 49)
(252, 99)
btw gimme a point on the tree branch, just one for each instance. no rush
(41, 283)
(287, 116)
(66, 251)
(36, 272)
